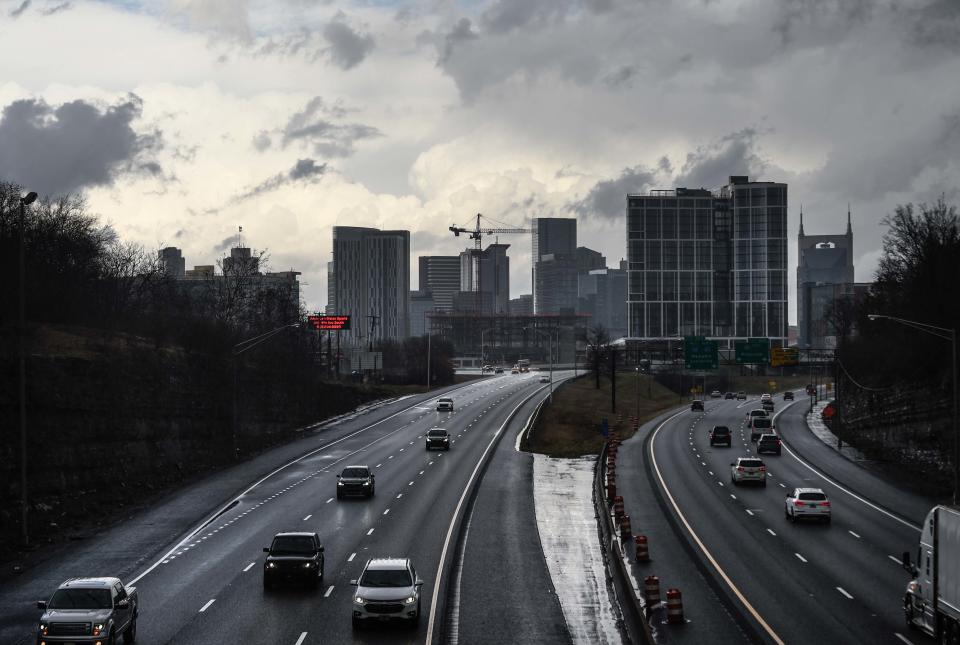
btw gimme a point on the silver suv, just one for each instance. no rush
(748, 469)
(387, 589)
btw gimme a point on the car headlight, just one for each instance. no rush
(366, 483)
(339, 483)
(271, 565)
(98, 629)
(307, 565)
(410, 600)
(43, 629)
(358, 600)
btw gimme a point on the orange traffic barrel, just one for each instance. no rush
(674, 606)
(651, 591)
(643, 552)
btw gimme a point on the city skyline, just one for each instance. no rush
(232, 117)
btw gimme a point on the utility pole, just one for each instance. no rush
(613, 381)
(22, 324)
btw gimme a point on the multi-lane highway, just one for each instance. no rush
(794, 582)
(205, 586)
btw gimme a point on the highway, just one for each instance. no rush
(795, 583)
(206, 585)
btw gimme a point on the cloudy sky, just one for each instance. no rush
(184, 119)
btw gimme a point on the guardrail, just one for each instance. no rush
(615, 548)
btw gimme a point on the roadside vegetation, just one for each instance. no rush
(570, 425)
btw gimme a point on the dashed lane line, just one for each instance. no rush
(307, 517)
(248, 567)
(370, 532)
(327, 592)
(303, 635)
(207, 606)
(770, 531)
(800, 557)
(853, 534)
(352, 556)
(844, 592)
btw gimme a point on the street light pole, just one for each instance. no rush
(950, 334)
(21, 320)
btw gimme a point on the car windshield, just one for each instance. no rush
(446, 400)
(721, 430)
(81, 599)
(812, 497)
(386, 578)
(768, 437)
(758, 413)
(437, 433)
(750, 463)
(354, 472)
(292, 545)
(761, 422)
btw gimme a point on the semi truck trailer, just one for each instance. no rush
(932, 599)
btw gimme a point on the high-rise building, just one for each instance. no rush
(709, 264)
(554, 236)
(487, 271)
(371, 272)
(589, 260)
(603, 295)
(440, 275)
(172, 262)
(824, 275)
(555, 291)
(421, 304)
(522, 305)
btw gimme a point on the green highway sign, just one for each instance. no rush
(699, 353)
(752, 351)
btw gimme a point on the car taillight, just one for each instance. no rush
(763, 469)
(739, 469)
(798, 503)
(825, 504)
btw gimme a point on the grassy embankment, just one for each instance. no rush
(570, 425)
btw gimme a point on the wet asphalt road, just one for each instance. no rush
(207, 587)
(800, 583)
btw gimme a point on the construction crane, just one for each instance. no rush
(476, 234)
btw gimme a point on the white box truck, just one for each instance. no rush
(932, 600)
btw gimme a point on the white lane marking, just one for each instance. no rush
(399, 495)
(897, 560)
(378, 465)
(782, 485)
(303, 635)
(327, 592)
(391, 456)
(248, 567)
(749, 512)
(370, 531)
(721, 483)
(853, 534)
(903, 638)
(844, 592)
(456, 513)
(845, 490)
(386, 511)
(703, 548)
(352, 556)
(410, 484)
(206, 606)
(733, 496)
(770, 531)
(328, 501)
(421, 472)
(308, 517)
(800, 557)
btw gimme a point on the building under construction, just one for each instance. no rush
(505, 339)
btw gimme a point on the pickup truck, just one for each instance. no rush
(89, 610)
(931, 602)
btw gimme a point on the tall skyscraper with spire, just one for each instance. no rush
(824, 275)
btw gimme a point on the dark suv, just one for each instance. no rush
(438, 438)
(294, 556)
(768, 443)
(355, 480)
(788, 396)
(720, 435)
(696, 405)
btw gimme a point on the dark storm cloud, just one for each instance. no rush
(710, 166)
(462, 32)
(608, 198)
(508, 15)
(348, 47)
(304, 171)
(315, 127)
(15, 13)
(60, 149)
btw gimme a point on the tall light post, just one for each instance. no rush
(481, 347)
(550, 338)
(240, 348)
(21, 322)
(950, 334)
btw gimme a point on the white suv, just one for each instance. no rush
(748, 469)
(807, 502)
(387, 588)
(444, 404)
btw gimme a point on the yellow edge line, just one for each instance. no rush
(696, 538)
